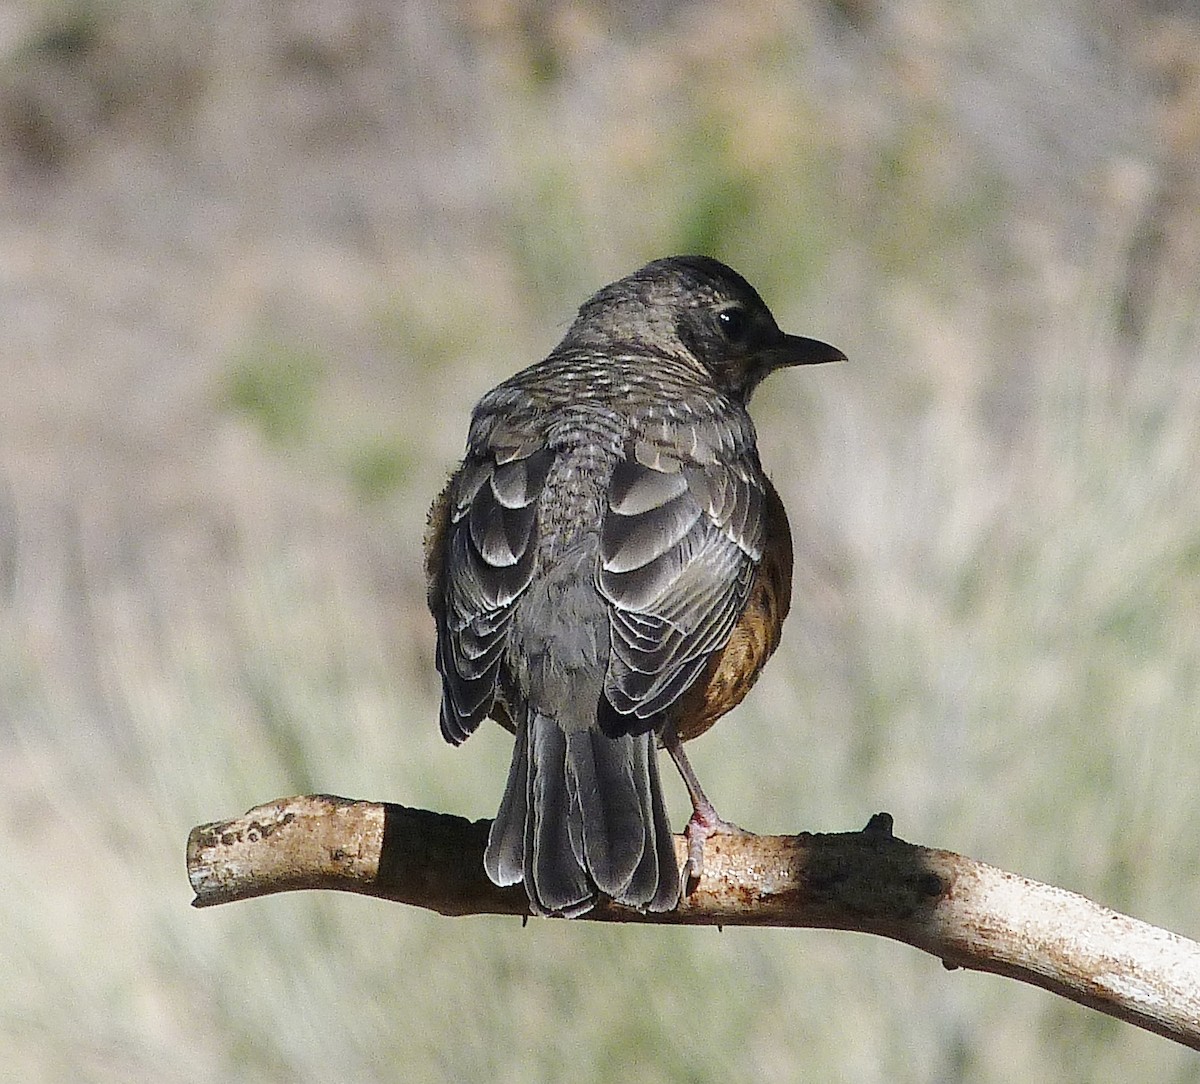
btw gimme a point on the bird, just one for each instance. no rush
(609, 570)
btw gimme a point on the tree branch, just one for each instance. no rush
(966, 913)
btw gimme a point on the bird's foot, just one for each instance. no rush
(704, 822)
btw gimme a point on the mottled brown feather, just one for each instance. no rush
(435, 545)
(731, 672)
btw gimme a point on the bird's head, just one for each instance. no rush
(700, 310)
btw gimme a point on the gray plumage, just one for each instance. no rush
(599, 543)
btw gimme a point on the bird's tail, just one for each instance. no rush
(583, 813)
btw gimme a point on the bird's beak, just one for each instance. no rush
(797, 350)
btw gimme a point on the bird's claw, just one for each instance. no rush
(704, 823)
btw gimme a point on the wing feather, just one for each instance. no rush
(489, 542)
(679, 547)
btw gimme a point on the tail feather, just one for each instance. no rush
(657, 877)
(504, 859)
(583, 813)
(556, 883)
(601, 781)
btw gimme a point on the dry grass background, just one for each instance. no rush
(257, 260)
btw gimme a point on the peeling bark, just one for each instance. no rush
(968, 914)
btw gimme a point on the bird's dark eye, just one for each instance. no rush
(734, 323)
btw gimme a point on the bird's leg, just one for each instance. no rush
(705, 821)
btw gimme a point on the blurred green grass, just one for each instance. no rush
(257, 262)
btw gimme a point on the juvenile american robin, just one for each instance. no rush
(609, 569)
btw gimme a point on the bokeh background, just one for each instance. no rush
(258, 259)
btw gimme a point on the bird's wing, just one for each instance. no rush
(682, 536)
(480, 557)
